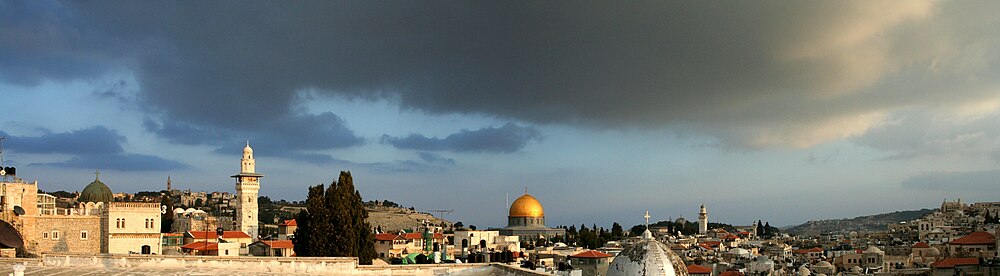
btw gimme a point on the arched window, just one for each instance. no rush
(123, 222)
(118, 223)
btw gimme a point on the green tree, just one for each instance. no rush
(333, 224)
(616, 231)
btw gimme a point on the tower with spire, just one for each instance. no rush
(247, 189)
(703, 220)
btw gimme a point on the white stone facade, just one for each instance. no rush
(133, 227)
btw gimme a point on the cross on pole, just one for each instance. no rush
(97, 174)
(647, 218)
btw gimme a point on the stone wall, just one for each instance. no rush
(70, 239)
(318, 266)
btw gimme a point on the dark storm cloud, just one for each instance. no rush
(955, 181)
(92, 140)
(121, 162)
(752, 74)
(506, 139)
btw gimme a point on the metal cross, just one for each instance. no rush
(97, 173)
(647, 218)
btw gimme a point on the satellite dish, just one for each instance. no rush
(18, 210)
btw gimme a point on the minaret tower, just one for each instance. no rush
(703, 220)
(247, 188)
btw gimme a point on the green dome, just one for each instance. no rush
(96, 192)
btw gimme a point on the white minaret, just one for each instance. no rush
(247, 188)
(703, 220)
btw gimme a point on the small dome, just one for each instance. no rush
(96, 192)
(823, 264)
(526, 206)
(178, 210)
(247, 149)
(647, 257)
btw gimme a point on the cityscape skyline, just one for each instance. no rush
(600, 111)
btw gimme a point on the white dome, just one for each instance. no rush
(823, 264)
(189, 210)
(804, 271)
(873, 249)
(178, 210)
(647, 257)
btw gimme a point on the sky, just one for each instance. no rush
(765, 110)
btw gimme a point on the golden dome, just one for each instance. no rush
(526, 206)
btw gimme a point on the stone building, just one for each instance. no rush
(526, 219)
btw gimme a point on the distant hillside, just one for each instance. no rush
(863, 223)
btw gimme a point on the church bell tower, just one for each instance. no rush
(247, 189)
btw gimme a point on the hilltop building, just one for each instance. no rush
(526, 219)
(247, 189)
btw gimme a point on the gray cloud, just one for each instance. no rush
(121, 162)
(506, 139)
(294, 133)
(92, 140)
(932, 133)
(750, 74)
(95, 147)
(955, 181)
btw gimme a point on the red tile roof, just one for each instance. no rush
(807, 251)
(731, 237)
(920, 245)
(731, 273)
(288, 222)
(697, 269)
(745, 233)
(279, 244)
(976, 238)
(386, 237)
(417, 236)
(213, 235)
(952, 262)
(201, 246)
(592, 254)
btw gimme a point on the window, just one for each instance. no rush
(55, 235)
(118, 223)
(45, 235)
(83, 235)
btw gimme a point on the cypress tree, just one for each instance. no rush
(334, 223)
